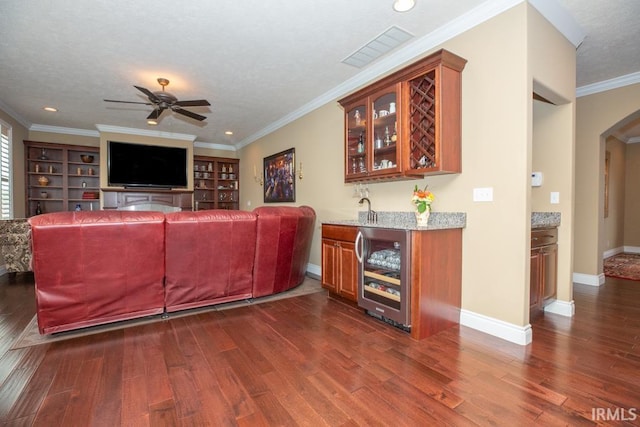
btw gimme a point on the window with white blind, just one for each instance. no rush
(6, 205)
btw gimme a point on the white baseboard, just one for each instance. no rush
(563, 308)
(521, 335)
(589, 279)
(613, 251)
(620, 249)
(314, 269)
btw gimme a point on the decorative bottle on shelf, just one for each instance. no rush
(394, 136)
(38, 209)
(361, 143)
(387, 136)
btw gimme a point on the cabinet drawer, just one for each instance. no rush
(346, 233)
(543, 237)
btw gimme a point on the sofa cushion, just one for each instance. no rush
(209, 257)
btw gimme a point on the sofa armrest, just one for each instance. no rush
(283, 245)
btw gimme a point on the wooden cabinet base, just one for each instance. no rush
(436, 278)
(339, 263)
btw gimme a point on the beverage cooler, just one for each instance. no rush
(384, 274)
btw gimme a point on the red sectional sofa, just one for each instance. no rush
(98, 267)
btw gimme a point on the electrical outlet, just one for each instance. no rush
(554, 199)
(483, 194)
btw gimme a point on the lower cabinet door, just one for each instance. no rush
(535, 293)
(330, 265)
(348, 283)
(550, 271)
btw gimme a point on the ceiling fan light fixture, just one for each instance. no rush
(403, 5)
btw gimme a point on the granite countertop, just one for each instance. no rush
(406, 220)
(545, 219)
(437, 220)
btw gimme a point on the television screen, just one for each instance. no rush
(140, 165)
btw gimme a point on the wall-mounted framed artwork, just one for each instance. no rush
(280, 177)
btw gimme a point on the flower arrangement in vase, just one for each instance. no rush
(422, 200)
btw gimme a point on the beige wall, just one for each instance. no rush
(62, 138)
(596, 114)
(632, 201)
(614, 223)
(496, 152)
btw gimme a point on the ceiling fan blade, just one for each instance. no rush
(188, 113)
(155, 113)
(193, 103)
(152, 97)
(127, 102)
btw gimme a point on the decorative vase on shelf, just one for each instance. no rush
(43, 180)
(422, 219)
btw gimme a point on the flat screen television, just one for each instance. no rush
(141, 165)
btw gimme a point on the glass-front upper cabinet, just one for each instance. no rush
(371, 136)
(408, 124)
(385, 147)
(356, 142)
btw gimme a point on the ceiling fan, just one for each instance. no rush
(162, 100)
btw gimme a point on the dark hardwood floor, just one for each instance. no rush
(315, 361)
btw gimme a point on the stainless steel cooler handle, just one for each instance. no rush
(358, 240)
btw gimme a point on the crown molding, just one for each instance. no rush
(15, 116)
(610, 84)
(214, 146)
(63, 130)
(633, 140)
(411, 51)
(144, 132)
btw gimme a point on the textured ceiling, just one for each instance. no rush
(259, 65)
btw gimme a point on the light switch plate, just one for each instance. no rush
(554, 199)
(483, 194)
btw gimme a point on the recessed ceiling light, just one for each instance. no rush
(228, 132)
(51, 109)
(152, 122)
(403, 5)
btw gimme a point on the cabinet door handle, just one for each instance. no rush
(358, 240)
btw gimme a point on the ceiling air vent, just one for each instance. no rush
(385, 42)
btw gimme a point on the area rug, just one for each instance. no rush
(30, 335)
(623, 266)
